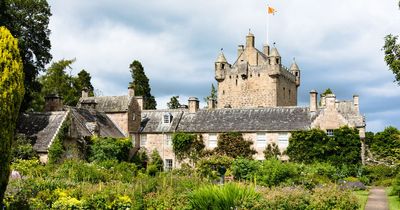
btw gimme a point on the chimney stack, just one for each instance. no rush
(139, 100)
(85, 92)
(356, 101)
(53, 102)
(131, 91)
(212, 103)
(266, 49)
(250, 40)
(193, 104)
(313, 100)
(330, 101)
(240, 50)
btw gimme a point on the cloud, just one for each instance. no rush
(337, 44)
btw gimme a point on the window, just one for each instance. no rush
(283, 140)
(289, 93)
(168, 164)
(168, 138)
(284, 93)
(167, 118)
(143, 140)
(212, 140)
(261, 140)
(329, 132)
(222, 66)
(236, 82)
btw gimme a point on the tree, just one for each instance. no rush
(156, 163)
(326, 92)
(140, 159)
(392, 55)
(83, 81)
(140, 83)
(213, 94)
(234, 145)
(316, 146)
(11, 96)
(187, 145)
(28, 21)
(173, 103)
(386, 145)
(271, 151)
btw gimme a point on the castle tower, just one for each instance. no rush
(256, 79)
(295, 70)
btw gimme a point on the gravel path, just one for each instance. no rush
(377, 199)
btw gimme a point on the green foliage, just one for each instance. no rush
(156, 163)
(209, 166)
(396, 186)
(392, 55)
(57, 148)
(22, 148)
(379, 174)
(141, 85)
(187, 145)
(386, 145)
(173, 103)
(234, 145)
(272, 151)
(326, 92)
(228, 196)
(314, 145)
(107, 148)
(140, 159)
(213, 94)
(11, 95)
(246, 169)
(28, 21)
(273, 172)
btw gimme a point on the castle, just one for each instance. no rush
(257, 96)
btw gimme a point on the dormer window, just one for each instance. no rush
(167, 119)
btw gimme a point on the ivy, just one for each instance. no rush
(57, 148)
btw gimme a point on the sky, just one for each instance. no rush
(337, 44)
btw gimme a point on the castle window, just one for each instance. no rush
(223, 92)
(143, 140)
(212, 140)
(230, 77)
(167, 118)
(251, 75)
(261, 140)
(168, 164)
(222, 66)
(168, 140)
(277, 61)
(329, 132)
(284, 93)
(297, 73)
(283, 140)
(258, 75)
(236, 82)
(289, 93)
(237, 76)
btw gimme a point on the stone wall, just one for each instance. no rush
(120, 119)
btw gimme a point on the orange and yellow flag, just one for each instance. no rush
(271, 10)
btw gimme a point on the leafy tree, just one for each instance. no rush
(314, 145)
(386, 145)
(234, 145)
(141, 85)
(392, 55)
(11, 96)
(186, 145)
(110, 149)
(28, 21)
(173, 103)
(271, 151)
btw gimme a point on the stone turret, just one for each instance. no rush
(220, 67)
(295, 70)
(275, 58)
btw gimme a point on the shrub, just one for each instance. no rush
(234, 145)
(396, 186)
(376, 174)
(273, 172)
(209, 166)
(285, 198)
(110, 148)
(331, 197)
(57, 148)
(271, 151)
(228, 196)
(140, 159)
(187, 145)
(243, 168)
(79, 171)
(22, 149)
(156, 163)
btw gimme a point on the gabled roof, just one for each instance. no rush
(226, 120)
(108, 103)
(106, 127)
(152, 120)
(348, 111)
(41, 127)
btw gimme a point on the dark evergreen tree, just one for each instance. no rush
(83, 81)
(28, 21)
(271, 151)
(173, 103)
(141, 85)
(213, 94)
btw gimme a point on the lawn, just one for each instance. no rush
(362, 196)
(394, 201)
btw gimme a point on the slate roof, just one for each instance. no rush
(348, 111)
(41, 127)
(226, 120)
(108, 103)
(106, 126)
(152, 120)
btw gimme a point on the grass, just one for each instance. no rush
(394, 201)
(362, 196)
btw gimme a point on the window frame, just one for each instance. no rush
(214, 145)
(261, 140)
(143, 140)
(330, 132)
(169, 164)
(285, 139)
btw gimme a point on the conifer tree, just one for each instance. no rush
(173, 103)
(141, 85)
(11, 95)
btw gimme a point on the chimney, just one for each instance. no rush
(85, 92)
(139, 100)
(356, 101)
(313, 100)
(53, 102)
(89, 104)
(240, 50)
(212, 103)
(193, 104)
(250, 40)
(323, 101)
(266, 49)
(330, 101)
(131, 91)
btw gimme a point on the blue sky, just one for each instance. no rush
(337, 44)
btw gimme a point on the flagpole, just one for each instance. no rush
(267, 25)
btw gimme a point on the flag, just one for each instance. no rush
(271, 10)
